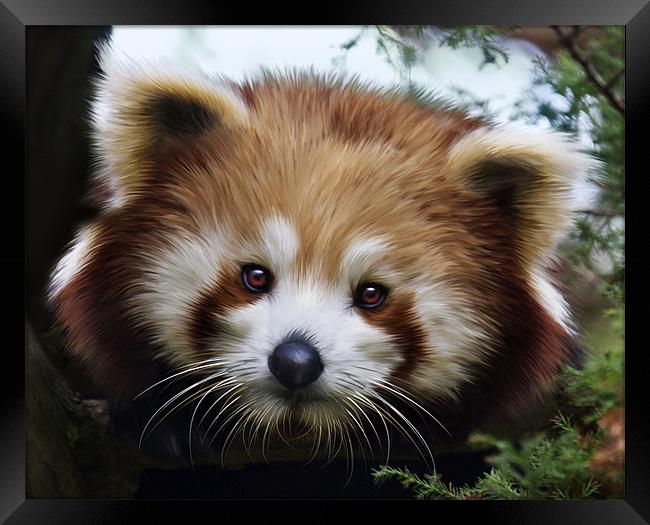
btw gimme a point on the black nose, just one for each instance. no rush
(295, 364)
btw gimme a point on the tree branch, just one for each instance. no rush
(613, 80)
(601, 213)
(568, 41)
(385, 35)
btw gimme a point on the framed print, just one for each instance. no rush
(314, 264)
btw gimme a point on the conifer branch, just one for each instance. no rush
(569, 43)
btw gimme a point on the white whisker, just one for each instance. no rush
(189, 369)
(394, 390)
(170, 401)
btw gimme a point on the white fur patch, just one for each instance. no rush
(277, 245)
(551, 299)
(175, 278)
(455, 337)
(73, 260)
(362, 256)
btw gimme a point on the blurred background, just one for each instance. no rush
(567, 78)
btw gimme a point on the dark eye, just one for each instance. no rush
(256, 278)
(370, 295)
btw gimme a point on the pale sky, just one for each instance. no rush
(237, 52)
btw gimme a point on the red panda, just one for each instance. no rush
(314, 251)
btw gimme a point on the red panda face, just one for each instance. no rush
(311, 251)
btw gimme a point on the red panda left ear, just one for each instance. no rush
(530, 175)
(138, 106)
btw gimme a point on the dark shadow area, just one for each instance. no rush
(297, 480)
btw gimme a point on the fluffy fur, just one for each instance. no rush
(329, 184)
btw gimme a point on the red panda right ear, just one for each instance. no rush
(531, 175)
(138, 105)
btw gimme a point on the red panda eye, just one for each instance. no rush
(256, 278)
(370, 295)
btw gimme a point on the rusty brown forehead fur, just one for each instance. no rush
(338, 165)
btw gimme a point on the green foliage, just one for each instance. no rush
(553, 463)
(491, 486)
(481, 37)
(599, 230)
(596, 390)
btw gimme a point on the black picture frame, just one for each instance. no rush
(17, 15)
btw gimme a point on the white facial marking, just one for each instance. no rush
(73, 260)
(175, 279)
(278, 244)
(551, 299)
(362, 256)
(454, 335)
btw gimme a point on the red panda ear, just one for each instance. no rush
(530, 175)
(139, 105)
